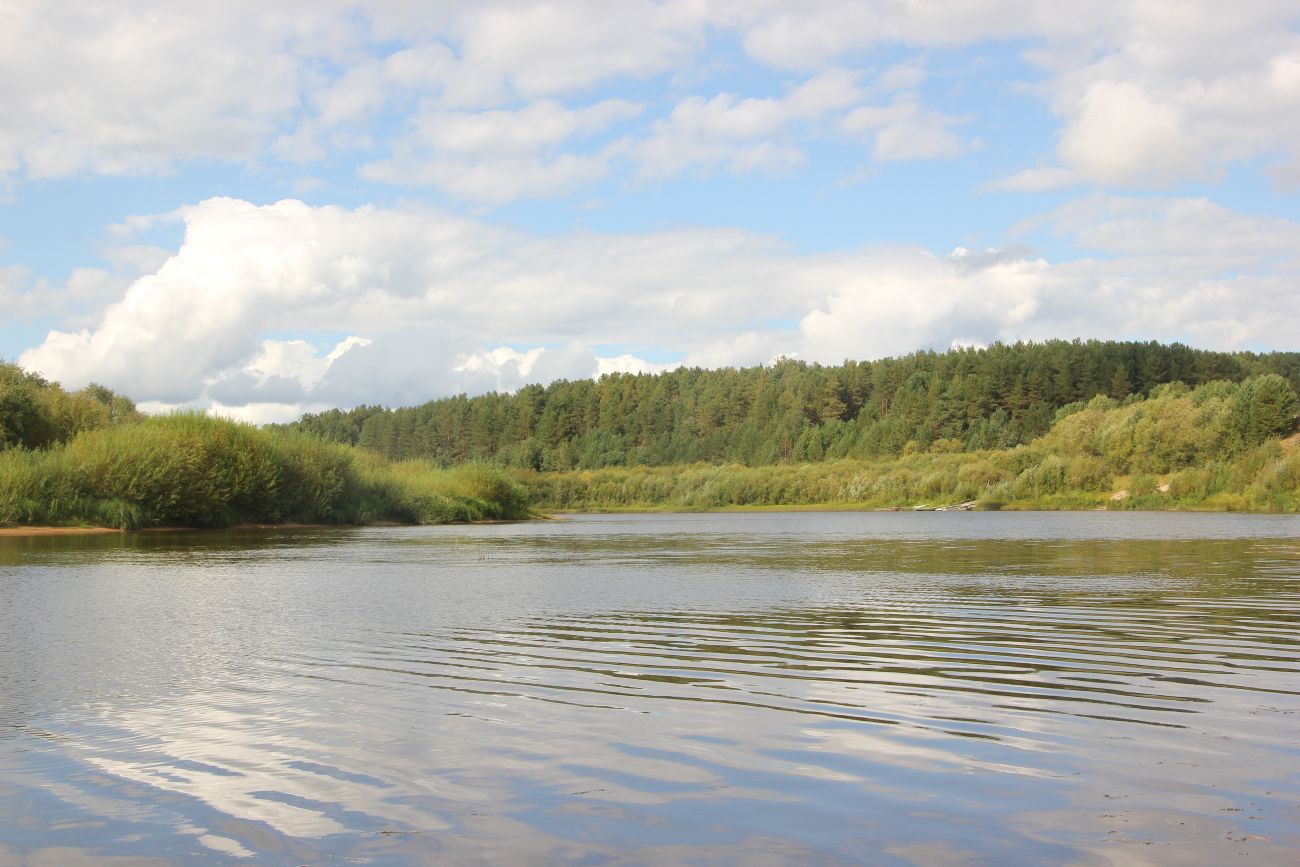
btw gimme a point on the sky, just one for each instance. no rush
(265, 209)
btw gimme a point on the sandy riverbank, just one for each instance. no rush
(22, 532)
(54, 531)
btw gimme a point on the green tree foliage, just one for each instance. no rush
(790, 411)
(21, 421)
(1265, 407)
(35, 413)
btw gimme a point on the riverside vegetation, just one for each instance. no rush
(90, 458)
(1050, 425)
(1216, 447)
(1061, 424)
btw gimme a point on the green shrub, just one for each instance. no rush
(190, 470)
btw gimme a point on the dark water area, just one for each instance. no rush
(812, 688)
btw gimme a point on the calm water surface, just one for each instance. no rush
(811, 688)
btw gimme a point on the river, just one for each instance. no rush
(759, 688)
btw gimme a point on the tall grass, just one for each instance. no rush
(1023, 478)
(194, 471)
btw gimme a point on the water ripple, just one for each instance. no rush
(679, 689)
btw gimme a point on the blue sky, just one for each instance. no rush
(265, 211)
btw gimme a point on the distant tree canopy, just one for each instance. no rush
(793, 411)
(35, 413)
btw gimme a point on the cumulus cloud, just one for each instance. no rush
(1178, 91)
(802, 36)
(24, 298)
(1120, 134)
(545, 49)
(889, 302)
(1150, 94)
(739, 133)
(904, 130)
(1168, 269)
(430, 305)
(138, 86)
(495, 156)
(107, 88)
(1036, 180)
(1181, 231)
(747, 348)
(427, 288)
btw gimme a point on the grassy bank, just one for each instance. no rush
(193, 471)
(1221, 447)
(1266, 480)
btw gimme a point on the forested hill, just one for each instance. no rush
(961, 400)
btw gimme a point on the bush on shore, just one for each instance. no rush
(190, 470)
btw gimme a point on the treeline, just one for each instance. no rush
(963, 400)
(1214, 447)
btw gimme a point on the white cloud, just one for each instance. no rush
(1176, 269)
(506, 369)
(1178, 90)
(436, 305)
(860, 175)
(539, 125)
(15, 300)
(24, 298)
(308, 184)
(1120, 135)
(135, 87)
(908, 75)
(892, 301)
(904, 130)
(1035, 180)
(427, 288)
(627, 363)
(740, 133)
(127, 88)
(1149, 94)
(496, 156)
(805, 35)
(1178, 231)
(748, 348)
(296, 361)
(546, 49)
(251, 413)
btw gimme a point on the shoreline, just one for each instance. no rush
(28, 532)
(21, 532)
(559, 514)
(654, 509)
